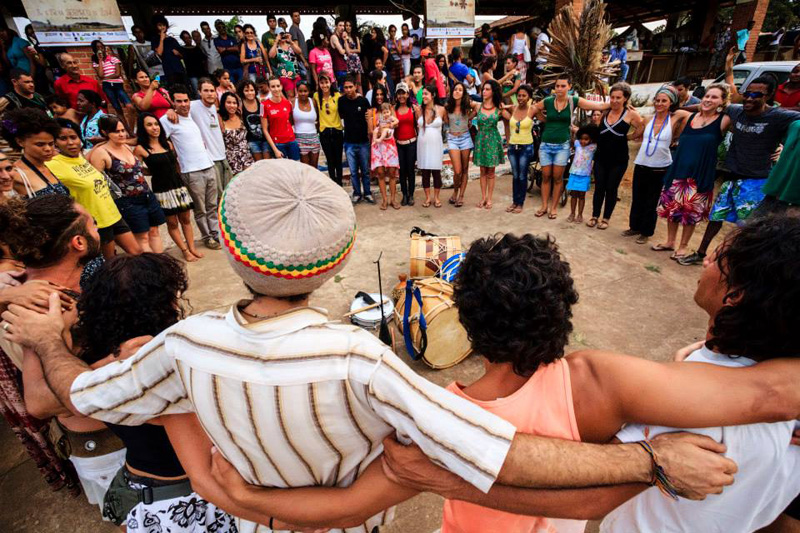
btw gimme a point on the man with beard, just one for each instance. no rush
(55, 238)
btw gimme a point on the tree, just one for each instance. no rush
(231, 24)
(781, 13)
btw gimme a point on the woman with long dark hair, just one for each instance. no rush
(331, 131)
(251, 116)
(430, 118)
(108, 68)
(234, 134)
(460, 111)
(520, 145)
(488, 144)
(305, 115)
(352, 45)
(406, 139)
(137, 203)
(150, 96)
(379, 49)
(131, 299)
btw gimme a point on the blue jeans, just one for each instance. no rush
(623, 71)
(358, 157)
(115, 92)
(519, 155)
(290, 150)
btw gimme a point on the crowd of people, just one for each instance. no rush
(271, 414)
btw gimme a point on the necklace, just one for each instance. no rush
(647, 151)
(704, 121)
(253, 315)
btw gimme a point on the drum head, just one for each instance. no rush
(371, 318)
(448, 344)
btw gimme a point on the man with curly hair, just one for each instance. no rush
(515, 295)
(55, 238)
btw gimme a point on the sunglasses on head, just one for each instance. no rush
(519, 122)
(327, 109)
(753, 94)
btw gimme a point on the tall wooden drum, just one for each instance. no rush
(448, 344)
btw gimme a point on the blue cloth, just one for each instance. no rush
(619, 53)
(290, 150)
(459, 70)
(230, 60)
(16, 54)
(89, 128)
(742, 36)
(358, 158)
(172, 63)
(578, 183)
(519, 155)
(736, 200)
(554, 154)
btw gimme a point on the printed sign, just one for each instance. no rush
(450, 18)
(76, 22)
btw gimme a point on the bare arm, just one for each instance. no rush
(734, 92)
(265, 128)
(630, 389)
(40, 401)
(588, 105)
(160, 46)
(312, 506)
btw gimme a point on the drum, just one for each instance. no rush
(448, 344)
(450, 267)
(429, 252)
(371, 318)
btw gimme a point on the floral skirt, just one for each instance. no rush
(488, 148)
(384, 154)
(187, 514)
(354, 64)
(682, 203)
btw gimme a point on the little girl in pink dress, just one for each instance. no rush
(385, 161)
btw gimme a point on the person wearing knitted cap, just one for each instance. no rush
(292, 399)
(652, 162)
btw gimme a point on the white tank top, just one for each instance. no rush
(304, 121)
(654, 152)
(518, 45)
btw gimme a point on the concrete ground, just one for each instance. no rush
(632, 300)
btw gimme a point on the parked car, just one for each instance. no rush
(746, 72)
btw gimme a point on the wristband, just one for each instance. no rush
(660, 478)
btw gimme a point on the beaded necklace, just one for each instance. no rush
(647, 151)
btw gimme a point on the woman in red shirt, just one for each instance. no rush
(150, 96)
(406, 138)
(276, 122)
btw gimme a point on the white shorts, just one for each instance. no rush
(96, 474)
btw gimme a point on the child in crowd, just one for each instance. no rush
(262, 86)
(385, 158)
(581, 170)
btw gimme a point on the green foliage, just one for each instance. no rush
(231, 24)
(653, 268)
(781, 13)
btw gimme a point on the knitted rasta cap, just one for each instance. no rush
(286, 227)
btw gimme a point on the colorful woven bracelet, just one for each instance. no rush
(660, 478)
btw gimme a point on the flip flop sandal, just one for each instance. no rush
(540, 213)
(460, 203)
(451, 201)
(592, 222)
(437, 204)
(602, 225)
(552, 216)
(662, 248)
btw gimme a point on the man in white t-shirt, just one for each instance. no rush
(753, 304)
(197, 168)
(417, 33)
(542, 42)
(204, 113)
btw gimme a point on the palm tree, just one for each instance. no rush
(576, 48)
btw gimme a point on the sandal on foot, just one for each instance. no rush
(642, 239)
(451, 201)
(662, 248)
(488, 205)
(481, 204)
(592, 222)
(517, 210)
(511, 208)
(603, 224)
(460, 203)
(540, 212)
(675, 256)
(437, 203)
(383, 207)
(571, 218)
(579, 219)
(426, 203)
(395, 205)
(552, 216)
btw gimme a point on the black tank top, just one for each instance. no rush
(149, 450)
(612, 144)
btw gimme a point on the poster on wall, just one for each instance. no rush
(76, 22)
(450, 18)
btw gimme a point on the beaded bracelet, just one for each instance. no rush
(660, 478)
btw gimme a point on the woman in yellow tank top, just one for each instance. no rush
(520, 144)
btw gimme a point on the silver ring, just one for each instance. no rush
(5, 326)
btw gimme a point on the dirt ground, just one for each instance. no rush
(632, 300)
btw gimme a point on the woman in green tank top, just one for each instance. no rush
(555, 148)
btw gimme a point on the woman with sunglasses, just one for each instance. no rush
(460, 111)
(520, 145)
(252, 54)
(251, 116)
(331, 131)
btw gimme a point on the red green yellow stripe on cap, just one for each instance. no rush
(270, 268)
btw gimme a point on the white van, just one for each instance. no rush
(746, 72)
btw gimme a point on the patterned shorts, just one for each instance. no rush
(737, 200)
(308, 142)
(682, 202)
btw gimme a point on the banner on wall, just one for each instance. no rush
(76, 22)
(450, 18)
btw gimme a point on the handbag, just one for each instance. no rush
(526, 54)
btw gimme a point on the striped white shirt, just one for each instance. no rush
(295, 400)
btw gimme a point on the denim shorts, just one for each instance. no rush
(259, 147)
(141, 212)
(290, 150)
(554, 154)
(460, 142)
